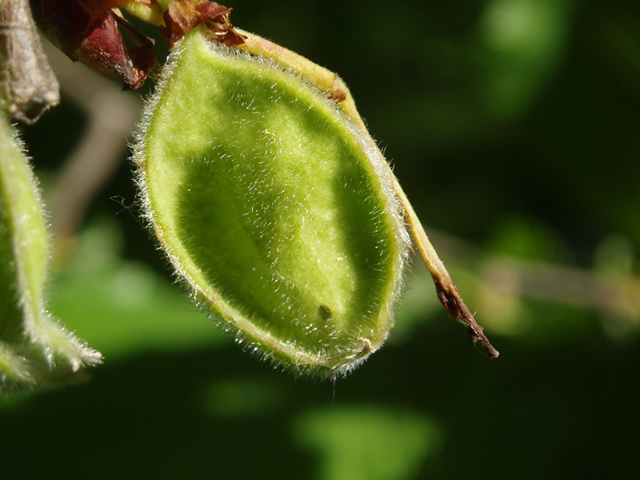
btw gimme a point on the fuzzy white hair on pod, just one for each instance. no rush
(343, 346)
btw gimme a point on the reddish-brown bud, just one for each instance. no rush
(182, 16)
(86, 30)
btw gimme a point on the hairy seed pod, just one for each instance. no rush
(273, 205)
(35, 350)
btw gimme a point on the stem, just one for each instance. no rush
(447, 290)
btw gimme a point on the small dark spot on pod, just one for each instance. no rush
(324, 312)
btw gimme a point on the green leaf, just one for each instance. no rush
(34, 348)
(275, 208)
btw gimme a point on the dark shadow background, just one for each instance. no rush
(514, 127)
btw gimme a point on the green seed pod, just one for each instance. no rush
(274, 206)
(34, 348)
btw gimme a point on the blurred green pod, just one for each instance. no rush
(35, 350)
(273, 205)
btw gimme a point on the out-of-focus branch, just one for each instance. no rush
(503, 280)
(612, 294)
(112, 118)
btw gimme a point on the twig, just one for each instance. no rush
(112, 117)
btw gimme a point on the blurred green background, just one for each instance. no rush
(514, 127)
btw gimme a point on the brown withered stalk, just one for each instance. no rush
(28, 85)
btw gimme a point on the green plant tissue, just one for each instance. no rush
(276, 210)
(35, 350)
